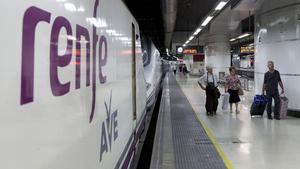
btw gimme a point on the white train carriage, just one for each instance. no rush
(152, 69)
(73, 91)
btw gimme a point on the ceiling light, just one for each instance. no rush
(233, 39)
(184, 45)
(197, 31)
(207, 20)
(220, 5)
(191, 38)
(244, 35)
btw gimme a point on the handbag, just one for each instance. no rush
(241, 92)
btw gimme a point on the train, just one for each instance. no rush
(77, 80)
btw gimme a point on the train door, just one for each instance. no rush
(133, 53)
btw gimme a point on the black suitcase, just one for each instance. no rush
(257, 109)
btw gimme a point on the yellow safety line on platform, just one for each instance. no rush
(210, 135)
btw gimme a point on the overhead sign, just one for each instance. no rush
(247, 49)
(190, 51)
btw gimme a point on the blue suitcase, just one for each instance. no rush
(258, 106)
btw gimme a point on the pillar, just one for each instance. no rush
(217, 53)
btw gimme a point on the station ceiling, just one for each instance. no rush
(149, 16)
(189, 15)
(148, 13)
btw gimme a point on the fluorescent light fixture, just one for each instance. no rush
(207, 20)
(244, 35)
(184, 45)
(191, 38)
(233, 39)
(197, 31)
(220, 5)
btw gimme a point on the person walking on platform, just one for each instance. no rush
(174, 68)
(232, 86)
(271, 80)
(184, 70)
(208, 82)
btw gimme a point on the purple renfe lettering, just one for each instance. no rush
(102, 61)
(56, 60)
(32, 17)
(95, 39)
(81, 31)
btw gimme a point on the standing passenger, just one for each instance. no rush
(208, 82)
(271, 80)
(232, 86)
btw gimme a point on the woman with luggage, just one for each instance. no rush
(232, 86)
(209, 83)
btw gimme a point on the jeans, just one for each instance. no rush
(274, 96)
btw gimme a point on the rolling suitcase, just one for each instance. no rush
(258, 106)
(284, 101)
(257, 109)
(225, 103)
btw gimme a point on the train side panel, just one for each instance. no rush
(66, 95)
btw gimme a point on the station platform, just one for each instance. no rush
(180, 140)
(186, 138)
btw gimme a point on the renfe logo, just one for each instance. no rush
(32, 17)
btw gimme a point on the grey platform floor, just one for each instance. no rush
(248, 143)
(180, 140)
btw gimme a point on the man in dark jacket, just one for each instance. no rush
(271, 80)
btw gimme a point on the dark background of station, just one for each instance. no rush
(149, 16)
